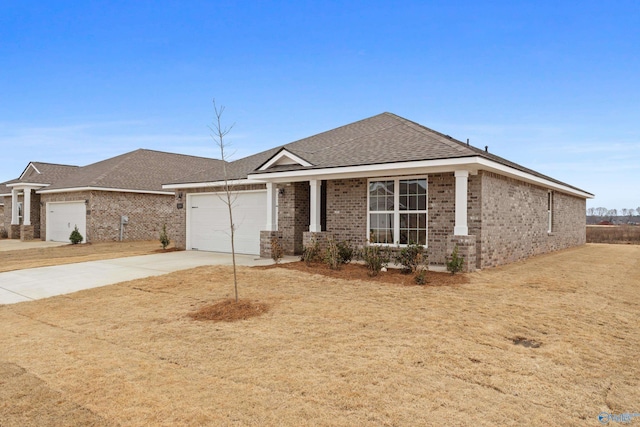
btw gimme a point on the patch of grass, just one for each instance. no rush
(620, 234)
(334, 352)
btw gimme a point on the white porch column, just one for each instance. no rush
(272, 202)
(14, 207)
(315, 202)
(461, 229)
(26, 207)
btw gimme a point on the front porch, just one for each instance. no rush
(341, 209)
(24, 206)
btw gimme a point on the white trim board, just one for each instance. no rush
(472, 164)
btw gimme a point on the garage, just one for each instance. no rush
(63, 217)
(208, 222)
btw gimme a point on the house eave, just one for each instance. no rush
(472, 164)
(187, 185)
(115, 190)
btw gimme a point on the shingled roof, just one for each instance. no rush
(382, 139)
(139, 170)
(40, 173)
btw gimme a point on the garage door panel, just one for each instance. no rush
(62, 218)
(209, 222)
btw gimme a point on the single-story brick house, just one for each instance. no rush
(389, 181)
(47, 201)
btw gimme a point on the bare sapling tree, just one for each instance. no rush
(218, 133)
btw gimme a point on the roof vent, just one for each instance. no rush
(467, 141)
(486, 148)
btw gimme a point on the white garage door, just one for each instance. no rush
(63, 217)
(208, 222)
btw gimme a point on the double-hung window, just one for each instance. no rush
(398, 211)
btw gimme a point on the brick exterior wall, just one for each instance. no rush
(147, 213)
(2, 219)
(179, 219)
(515, 224)
(347, 210)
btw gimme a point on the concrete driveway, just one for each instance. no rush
(35, 283)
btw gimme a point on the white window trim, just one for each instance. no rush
(396, 211)
(550, 203)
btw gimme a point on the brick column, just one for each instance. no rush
(14, 231)
(26, 232)
(466, 250)
(265, 242)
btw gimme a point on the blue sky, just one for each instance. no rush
(554, 86)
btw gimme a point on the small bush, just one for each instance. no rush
(455, 264)
(277, 252)
(375, 258)
(421, 277)
(75, 236)
(164, 239)
(3, 233)
(345, 251)
(332, 255)
(310, 252)
(410, 257)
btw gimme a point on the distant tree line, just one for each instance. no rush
(615, 216)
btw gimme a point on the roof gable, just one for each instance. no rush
(284, 158)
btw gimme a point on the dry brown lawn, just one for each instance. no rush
(69, 254)
(334, 352)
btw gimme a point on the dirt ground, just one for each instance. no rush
(69, 254)
(334, 352)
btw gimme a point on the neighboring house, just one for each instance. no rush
(389, 181)
(50, 200)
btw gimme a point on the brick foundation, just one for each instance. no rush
(321, 238)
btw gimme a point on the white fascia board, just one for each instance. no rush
(212, 184)
(30, 165)
(115, 190)
(284, 153)
(21, 185)
(472, 164)
(365, 171)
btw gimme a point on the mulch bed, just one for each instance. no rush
(230, 311)
(355, 271)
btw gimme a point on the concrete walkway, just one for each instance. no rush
(35, 283)
(17, 244)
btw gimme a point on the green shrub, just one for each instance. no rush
(345, 251)
(410, 257)
(164, 239)
(75, 236)
(421, 277)
(276, 250)
(375, 258)
(456, 263)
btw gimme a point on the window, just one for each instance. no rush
(550, 211)
(398, 211)
(20, 212)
